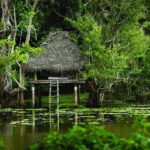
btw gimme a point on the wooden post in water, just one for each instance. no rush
(57, 94)
(33, 95)
(76, 94)
(77, 89)
(50, 95)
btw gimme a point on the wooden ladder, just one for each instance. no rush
(53, 93)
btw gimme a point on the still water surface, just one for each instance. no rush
(21, 128)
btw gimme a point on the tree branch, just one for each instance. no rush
(20, 86)
(30, 23)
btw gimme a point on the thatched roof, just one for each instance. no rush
(60, 54)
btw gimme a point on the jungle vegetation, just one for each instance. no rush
(112, 35)
(95, 138)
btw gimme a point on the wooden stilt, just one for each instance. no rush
(50, 94)
(57, 106)
(35, 76)
(76, 94)
(33, 96)
(77, 89)
(57, 94)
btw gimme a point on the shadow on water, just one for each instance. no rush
(21, 128)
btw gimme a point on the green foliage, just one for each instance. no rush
(5, 59)
(31, 50)
(104, 63)
(112, 40)
(95, 138)
(25, 18)
(6, 42)
(24, 14)
(4, 62)
(79, 138)
(142, 127)
(1, 25)
(20, 54)
(1, 144)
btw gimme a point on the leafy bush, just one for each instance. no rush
(1, 144)
(92, 138)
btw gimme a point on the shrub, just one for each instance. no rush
(1, 144)
(91, 138)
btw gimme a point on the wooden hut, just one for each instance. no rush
(61, 56)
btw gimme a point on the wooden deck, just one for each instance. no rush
(61, 81)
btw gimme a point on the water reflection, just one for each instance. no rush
(20, 128)
(76, 118)
(33, 121)
(51, 119)
(57, 116)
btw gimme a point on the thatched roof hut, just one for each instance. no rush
(60, 55)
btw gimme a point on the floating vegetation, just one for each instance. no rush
(83, 115)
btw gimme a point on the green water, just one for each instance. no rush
(21, 128)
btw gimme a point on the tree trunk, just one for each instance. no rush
(1, 90)
(96, 96)
(28, 36)
(93, 100)
(4, 94)
(101, 97)
(21, 91)
(21, 98)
